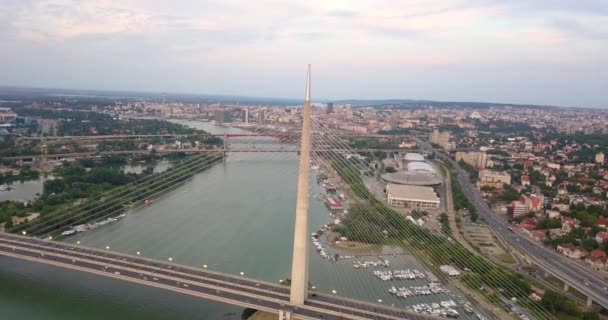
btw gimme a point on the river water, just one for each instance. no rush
(236, 217)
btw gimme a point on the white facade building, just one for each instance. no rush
(414, 197)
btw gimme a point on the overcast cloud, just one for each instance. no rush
(542, 51)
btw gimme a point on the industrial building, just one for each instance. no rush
(414, 197)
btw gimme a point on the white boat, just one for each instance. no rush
(68, 232)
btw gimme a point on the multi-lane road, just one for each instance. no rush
(197, 282)
(576, 275)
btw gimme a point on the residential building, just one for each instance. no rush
(477, 159)
(261, 116)
(414, 197)
(7, 115)
(569, 223)
(442, 139)
(516, 209)
(597, 259)
(494, 179)
(601, 237)
(525, 180)
(223, 116)
(245, 115)
(533, 203)
(571, 251)
(599, 158)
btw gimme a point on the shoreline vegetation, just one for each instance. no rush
(383, 225)
(88, 194)
(87, 189)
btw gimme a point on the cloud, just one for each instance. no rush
(181, 40)
(578, 29)
(343, 13)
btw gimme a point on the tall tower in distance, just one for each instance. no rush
(245, 116)
(330, 108)
(299, 266)
(261, 116)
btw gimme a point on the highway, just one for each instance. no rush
(202, 283)
(574, 273)
(580, 277)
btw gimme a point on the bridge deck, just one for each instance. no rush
(197, 282)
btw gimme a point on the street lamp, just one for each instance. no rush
(205, 266)
(107, 247)
(380, 300)
(77, 242)
(242, 273)
(334, 291)
(138, 253)
(170, 259)
(24, 233)
(281, 281)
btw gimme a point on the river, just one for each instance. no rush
(236, 217)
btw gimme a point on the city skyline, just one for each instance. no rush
(547, 53)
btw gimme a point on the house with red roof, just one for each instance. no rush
(539, 235)
(529, 224)
(571, 251)
(601, 222)
(597, 259)
(600, 237)
(569, 223)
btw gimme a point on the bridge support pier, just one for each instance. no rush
(589, 302)
(299, 264)
(566, 287)
(225, 146)
(284, 315)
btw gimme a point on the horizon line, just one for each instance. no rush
(289, 99)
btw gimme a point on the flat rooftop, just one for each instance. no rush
(411, 192)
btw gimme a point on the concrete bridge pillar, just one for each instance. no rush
(284, 315)
(299, 265)
(566, 287)
(589, 301)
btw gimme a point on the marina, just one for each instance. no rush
(399, 274)
(91, 226)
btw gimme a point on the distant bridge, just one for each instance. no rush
(147, 136)
(168, 151)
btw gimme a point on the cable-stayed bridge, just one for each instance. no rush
(369, 221)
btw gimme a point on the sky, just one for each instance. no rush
(551, 52)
